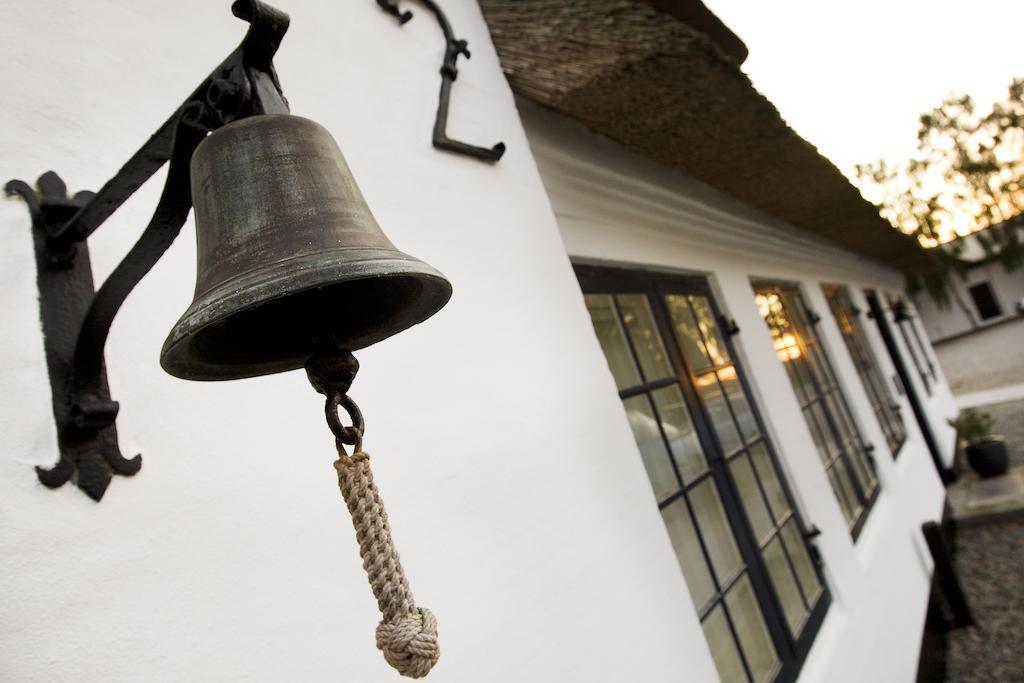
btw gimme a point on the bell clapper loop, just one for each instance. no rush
(353, 435)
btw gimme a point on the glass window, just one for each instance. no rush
(729, 516)
(912, 339)
(985, 301)
(826, 412)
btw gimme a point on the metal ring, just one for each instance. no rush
(353, 435)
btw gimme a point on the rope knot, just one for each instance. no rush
(409, 642)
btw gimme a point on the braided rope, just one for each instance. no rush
(407, 634)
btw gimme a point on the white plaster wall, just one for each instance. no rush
(614, 207)
(523, 515)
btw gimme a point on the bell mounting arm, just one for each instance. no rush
(76, 318)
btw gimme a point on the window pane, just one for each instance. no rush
(613, 342)
(866, 363)
(801, 561)
(799, 375)
(841, 485)
(687, 335)
(738, 401)
(818, 426)
(843, 423)
(707, 506)
(862, 469)
(723, 647)
(750, 494)
(688, 552)
(675, 420)
(718, 409)
(770, 481)
(785, 586)
(652, 446)
(828, 417)
(751, 630)
(646, 340)
(709, 327)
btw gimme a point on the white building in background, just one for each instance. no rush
(986, 294)
(666, 428)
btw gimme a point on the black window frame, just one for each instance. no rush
(809, 320)
(655, 286)
(883, 404)
(904, 319)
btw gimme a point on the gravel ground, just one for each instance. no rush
(983, 359)
(990, 560)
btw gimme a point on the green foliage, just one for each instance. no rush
(967, 174)
(936, 279)
(973, 426)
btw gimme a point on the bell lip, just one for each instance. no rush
(251, 290)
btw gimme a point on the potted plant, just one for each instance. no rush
(986, 452)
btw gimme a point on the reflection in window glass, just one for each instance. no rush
(723, 647)
(688, 335)
(750, 494)
(687, 547)
(826, 412)
(675, 421)
(709, 330)
(738, 402)
(785, 585)
(612, 339)
(809, 583)
(651, 445)
(777, 499)
(864, 360)
(646, 340)
(718, 408)
(751, 630)
(707, 506)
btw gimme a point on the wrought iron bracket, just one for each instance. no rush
(728, 325)
(76, 317)
(869, 452)
(900, 313)
(453, 49)
(810, 535)
(812, 316)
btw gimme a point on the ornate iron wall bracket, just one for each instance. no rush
(728, 325)
(453, 48)
(900, 312)
(76, 318)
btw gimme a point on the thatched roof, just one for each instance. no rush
(647, 79)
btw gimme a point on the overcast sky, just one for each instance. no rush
(853, 77)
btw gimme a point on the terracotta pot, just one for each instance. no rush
(989, 457)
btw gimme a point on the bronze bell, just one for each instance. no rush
(289, 255)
